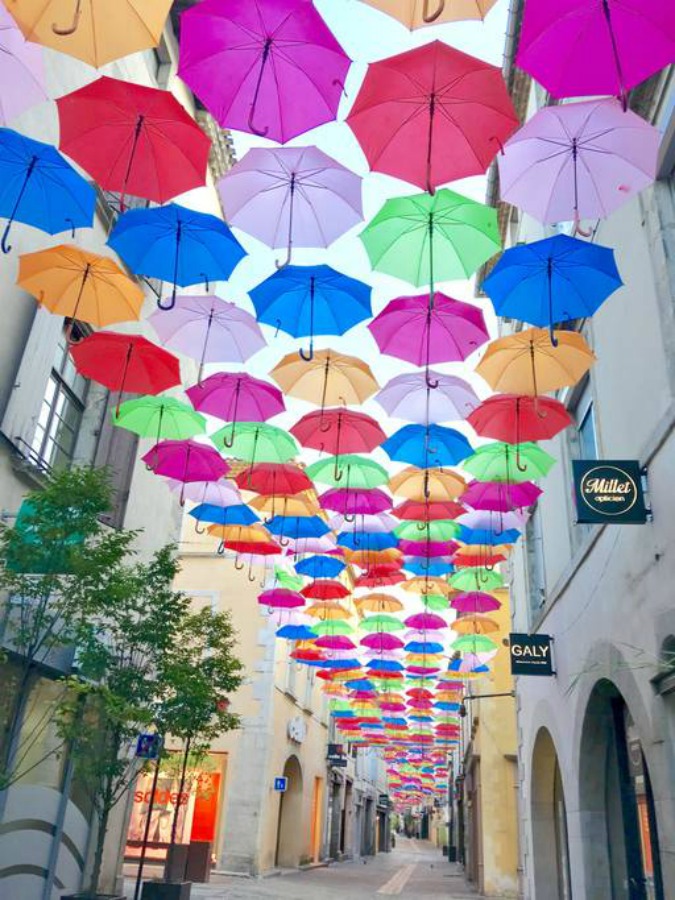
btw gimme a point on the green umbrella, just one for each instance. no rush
(435, 602)
(474, 643)
(381, 622)
(428, 238)
(286, 580)
(333, 626)
(159, 417)
(352, 470)
(438, 530)
(339, 706)
(257, 442)
(509, 462)
(476, 579)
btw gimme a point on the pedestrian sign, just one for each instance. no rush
(280, 783)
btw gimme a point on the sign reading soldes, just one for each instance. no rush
(530, 654)
(609, 491)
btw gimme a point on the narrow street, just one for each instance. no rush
(414, 869)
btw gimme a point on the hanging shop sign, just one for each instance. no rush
(148, 746)
(609, 491)
(281, 784)
(531, 654)
(336, 755)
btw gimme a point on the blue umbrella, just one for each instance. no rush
(296, 633)
(320, 567)
(430, 567)
(423, 647)
(359, 684)
(294, 528)
(427, 447)
(367, 540)
(385, 665)
(177, 245)
(554, 280)
(40, 188)
(238, 514)
(444, 704)
(487, 536)
(308, 300)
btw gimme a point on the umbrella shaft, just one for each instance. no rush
(615, 50)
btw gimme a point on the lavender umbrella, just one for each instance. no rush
(269, 67)
(219, 493)
(411, 397)
(21, 70)
(578, 161)
(378, 523)
(291, 197)
(478, 518)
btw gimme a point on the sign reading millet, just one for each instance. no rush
(609, 491)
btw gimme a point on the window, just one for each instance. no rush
(536, 574)
(583, 438)
(309, 688)
(62, 410)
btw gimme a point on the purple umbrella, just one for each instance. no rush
(236, 397)
(379, 523)
(425, 621)
(500, 497)
(410, 397)
(218, 493)
(351, 502)
(208, 329)
(291, 197)
(479, 518)
(21, 71)
(582, 49)
(324, 544)
(473, 602)
(381, 640)
(269, 67)
(578, 161)
(186, 461)
(427, 548)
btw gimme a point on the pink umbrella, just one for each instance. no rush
(410, 397)
(427, 548)
(218, 493)
(186, 461)
(424, 621)
(475, 602)
(335, 642)
(353, 502)
(606, 47)
(236, 397)
(499, 496)
(381, 641)
(291, 197)
(269, 67)
(578, 161)
(281, 598)
(21, 70)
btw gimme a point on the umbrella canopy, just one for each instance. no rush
(186, 461)
(439, 530)
(235, 397)
(320, 567)
(500, 497)
(217, 493)
(273, 479)
(432, 115)
(349, 470)
(325, 589)
(354, 502)
(296, 527)
(291, 197)
(596, 48)
(578, 161)
(328, 379)
(257, 442)
(79, 285)
(379, 603)
(302, 504)
(514, 419)
(338, 431)
(281, 598)
(427, 446)
(487, 536)
(133, 139)
(479, 519)
(555, 280)
(40, 188)
(328, 611)
(426, 621)
(427, 510)
(95, 31)
(249, 63)
(177, 245)
(420, 13)
(125, 362)
(428, 549)
(363, 522)
(476, 580)
(532, 361)
(308, 300)
(504, 462)
(436, 485)
(368, 541)
(475, 602)
(424, 239)
(474, 643)
(411, 397)
(238, 514)
(21, 67)
(475, 624)
(160, 417)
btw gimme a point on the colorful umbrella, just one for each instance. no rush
(419, 13)
(95, 31)
(504, 462)
(133, 139)
(381, 641)
(368, 542)
(328, 611)
(475, 624)
(160, 417)
(352, 502)
(22, 70)
(338, 431)
(281, 598)
(358, 472)
(291, 197)
(235, 397)
(250, 62)
(500, 497)
(533, 361)
(586, 49)
(427, 511)
(427, 446)
(516, 419)
(273, 479)
(40, 188)
(257, 442)
(325, 589)
(177, 245)
(425, 398)
(186, 461)
(435, 485)
(476, 580)
(296, 527)
(487, 536)
(306, 301)
(425, 621)
(238, 514)
(427, 549)
(332, 627)
(79, 285)
(480, 519)
(379, 603)
(439, 530)
(218, 493)
(302, 504)
(320, 567)
(363, 522)
(474, 643)
(328, 379)
(432, 115)
(578, 161)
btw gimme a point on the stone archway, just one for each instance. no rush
(290, 833)
(549, 823)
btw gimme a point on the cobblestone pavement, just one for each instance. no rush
(415, 869)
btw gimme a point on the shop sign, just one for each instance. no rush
(383, 800)
(281, 784)
(531, 654)
(336, 755)
(148, 746)
(609, 491)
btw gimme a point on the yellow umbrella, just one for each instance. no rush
(486, 550)
(421, 584)
(78, 285)
(251, 534)
(328, 611)
(95, 31)
(298, 505)
(475, 624)
(419, 13)
(530, 363)
(378, 603)
(448, 697)
(435, 485)
(328, 379)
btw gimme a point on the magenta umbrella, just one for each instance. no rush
(186, 461)
(425, 621)
(352, 502)
(578, 161)
(291, 197)
(335, 642)
(381, 640)
(605, 47)
(21, 70)
(475, 602)
(427, 548)
(410, 397)
(499, 496)
(236, 397)
(281, 598)
(269, 67)
(412, 329)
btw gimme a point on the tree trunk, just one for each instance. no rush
(100, 841)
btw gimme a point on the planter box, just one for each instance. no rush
(166, 890)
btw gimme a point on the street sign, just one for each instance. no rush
(336, 756)
(148, 746)
(609, 491)
(531, 654)
(281, 784)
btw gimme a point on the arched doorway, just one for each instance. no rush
(620, 838)
(549, 823)
(289, 829)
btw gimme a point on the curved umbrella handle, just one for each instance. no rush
(350, 518)
(170, 304)
(251, 576)
(287, 261)
(72, 28)
(261, 132)
(421, 526)
(199, 530)
(431, 383)
(229, 442)
(309, 356)
(238, 564)
(221, 549)
(284, 542)
(6, 248)
(357, 542)
(430, 17)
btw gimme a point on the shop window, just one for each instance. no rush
(536, 573)
(583, 436)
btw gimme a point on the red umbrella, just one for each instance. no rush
(515, 419)
(274, 479)
(325, 589)
(133, 139)
(478, 560)
(432, 115)
(428, 511)
(125, 362)
(373, 578)
(337, 431)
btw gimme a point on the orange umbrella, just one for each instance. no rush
(364, 559)
(328, 379)
(435, 485)
(328, 611)
(475, 625)
(302, 504)
(79, 285)
(378, 603)
(95, 31)
(422, 584)
(419, 13)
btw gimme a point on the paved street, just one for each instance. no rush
(414, 869)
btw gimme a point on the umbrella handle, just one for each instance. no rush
(289, 250)
(72, 28)
(423, 526)
(431, 383)
(220, 550)
(284, 542)
(238, 564)
(170, 304)
(349, 517)
(309, 356)
(430, 17)
(199, 530)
